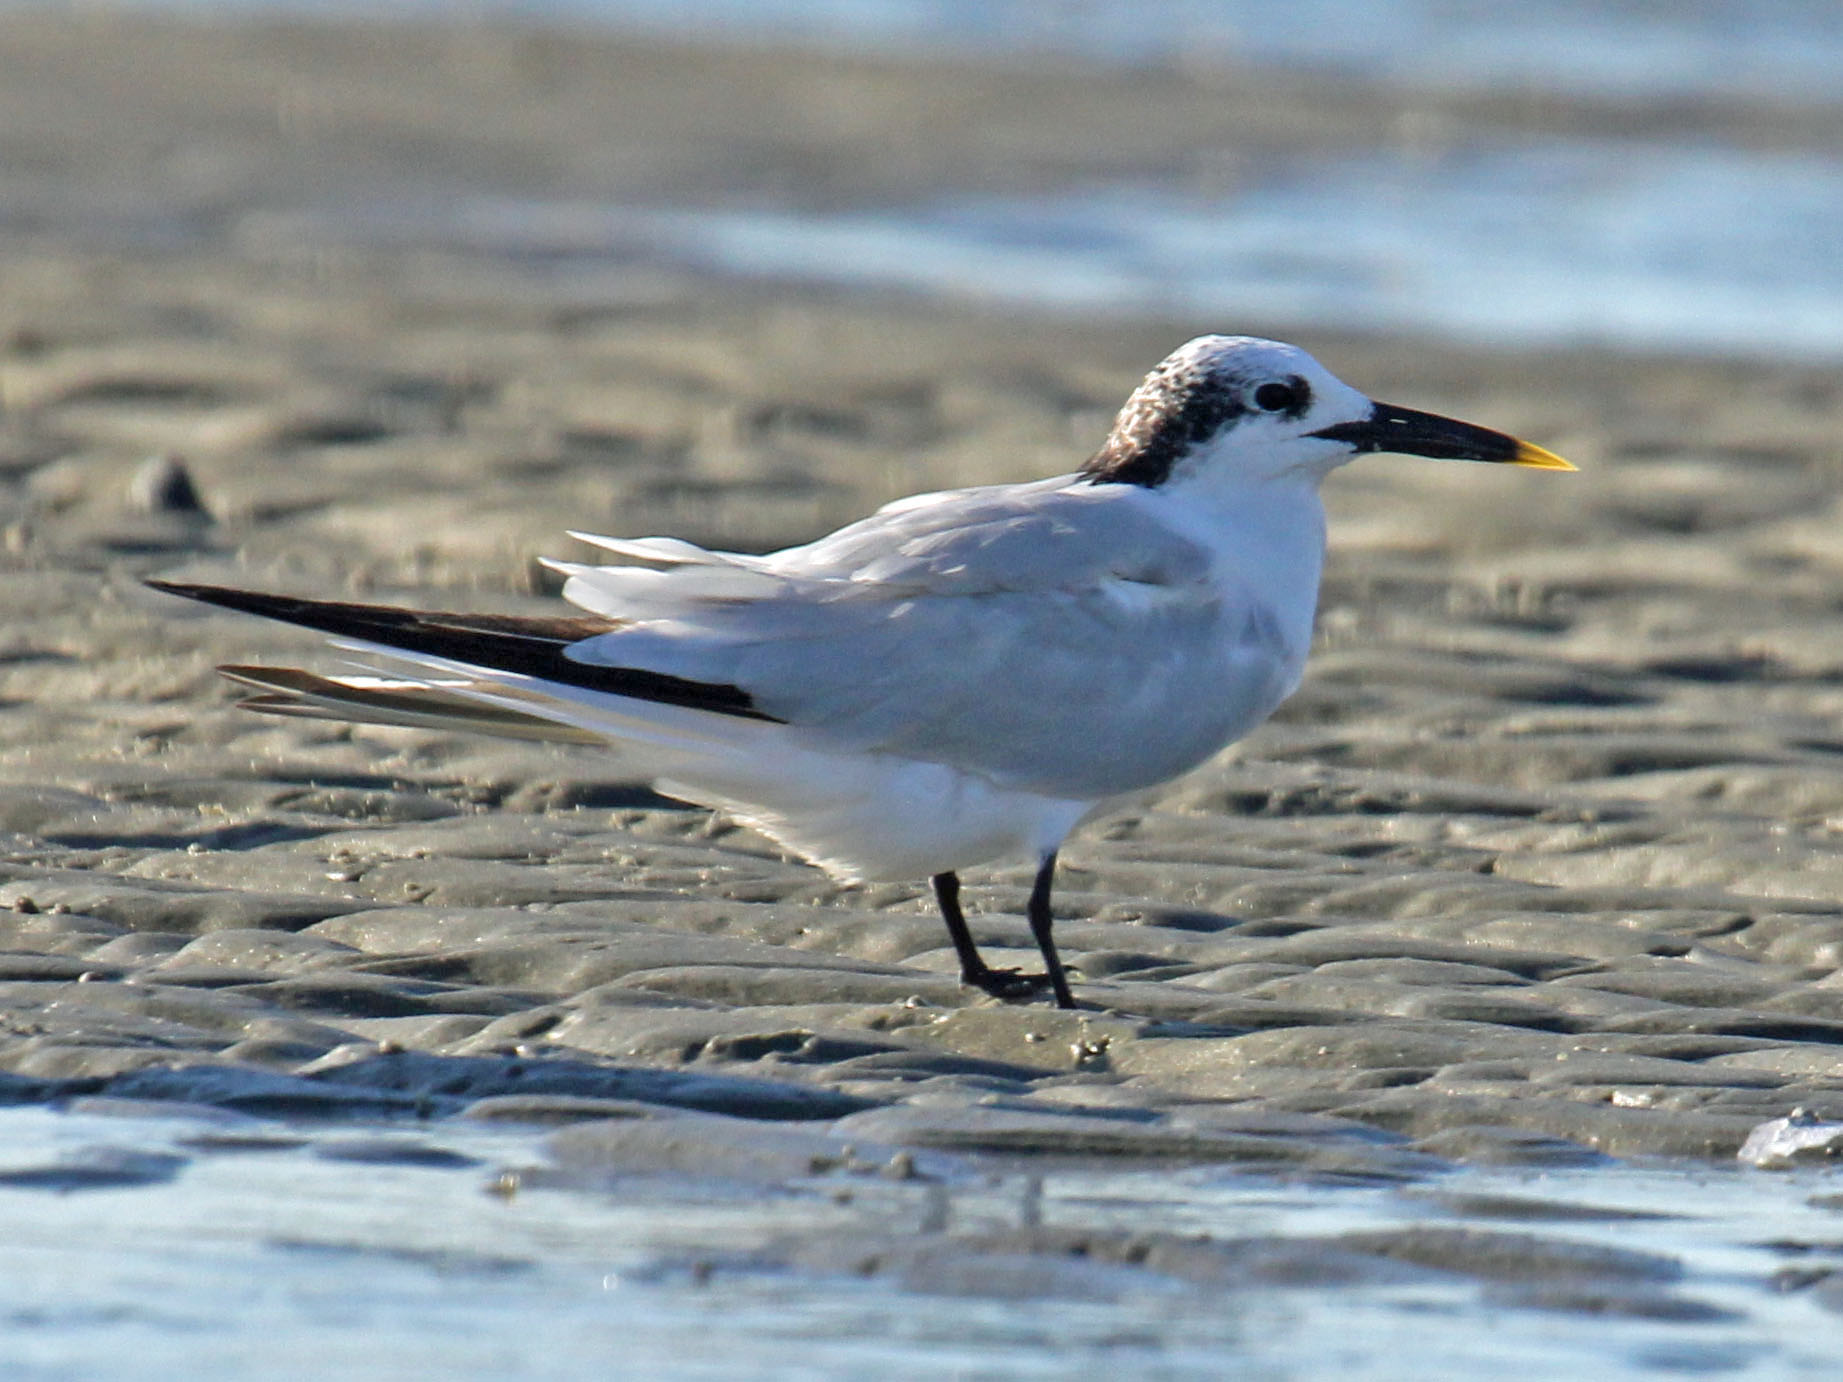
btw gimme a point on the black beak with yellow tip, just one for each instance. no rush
(1413, 433)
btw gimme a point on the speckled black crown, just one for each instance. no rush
(1182, 403)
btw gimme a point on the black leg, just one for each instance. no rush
(1040, 922)
(974, 971)
(947, 894)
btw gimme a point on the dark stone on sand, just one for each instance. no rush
(162, 484)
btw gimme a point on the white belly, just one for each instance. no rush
(879, 817)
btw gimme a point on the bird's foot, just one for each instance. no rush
(1012, 985)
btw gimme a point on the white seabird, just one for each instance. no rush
(960, 677)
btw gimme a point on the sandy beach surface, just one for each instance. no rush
(1540, 867)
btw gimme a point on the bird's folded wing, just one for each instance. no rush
(982, 630)
(1052, 537)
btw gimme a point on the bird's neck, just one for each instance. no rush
(1266, 535)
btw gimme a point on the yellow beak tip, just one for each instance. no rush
(1536, 458)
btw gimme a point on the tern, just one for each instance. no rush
(961, 677)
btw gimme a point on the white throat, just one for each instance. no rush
(1263, 534)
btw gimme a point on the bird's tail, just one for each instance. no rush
(512, 677)
(416, 704)
(507, 675)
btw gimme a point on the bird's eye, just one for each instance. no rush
(1290, 397)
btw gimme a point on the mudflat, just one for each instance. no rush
(1542, 862)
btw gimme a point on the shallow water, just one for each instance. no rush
(1450, 243)
(1786, 51)
(1683, 234)
(229, 1246)
(1587, 47)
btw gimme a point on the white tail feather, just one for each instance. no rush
(290, 691)
(670, 551)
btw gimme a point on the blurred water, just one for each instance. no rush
(1564, 243)
(1621, 48)
(277, 1250)
(1789, 50)
(1666, 243)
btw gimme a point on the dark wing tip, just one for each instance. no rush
(174, 587)
(535, 647)
(251, 601)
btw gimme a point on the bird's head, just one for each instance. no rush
(1238, 408)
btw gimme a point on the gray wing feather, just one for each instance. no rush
(1011, 630)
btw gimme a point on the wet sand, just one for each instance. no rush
(1541, 864)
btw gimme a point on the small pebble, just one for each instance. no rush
(162, 484)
